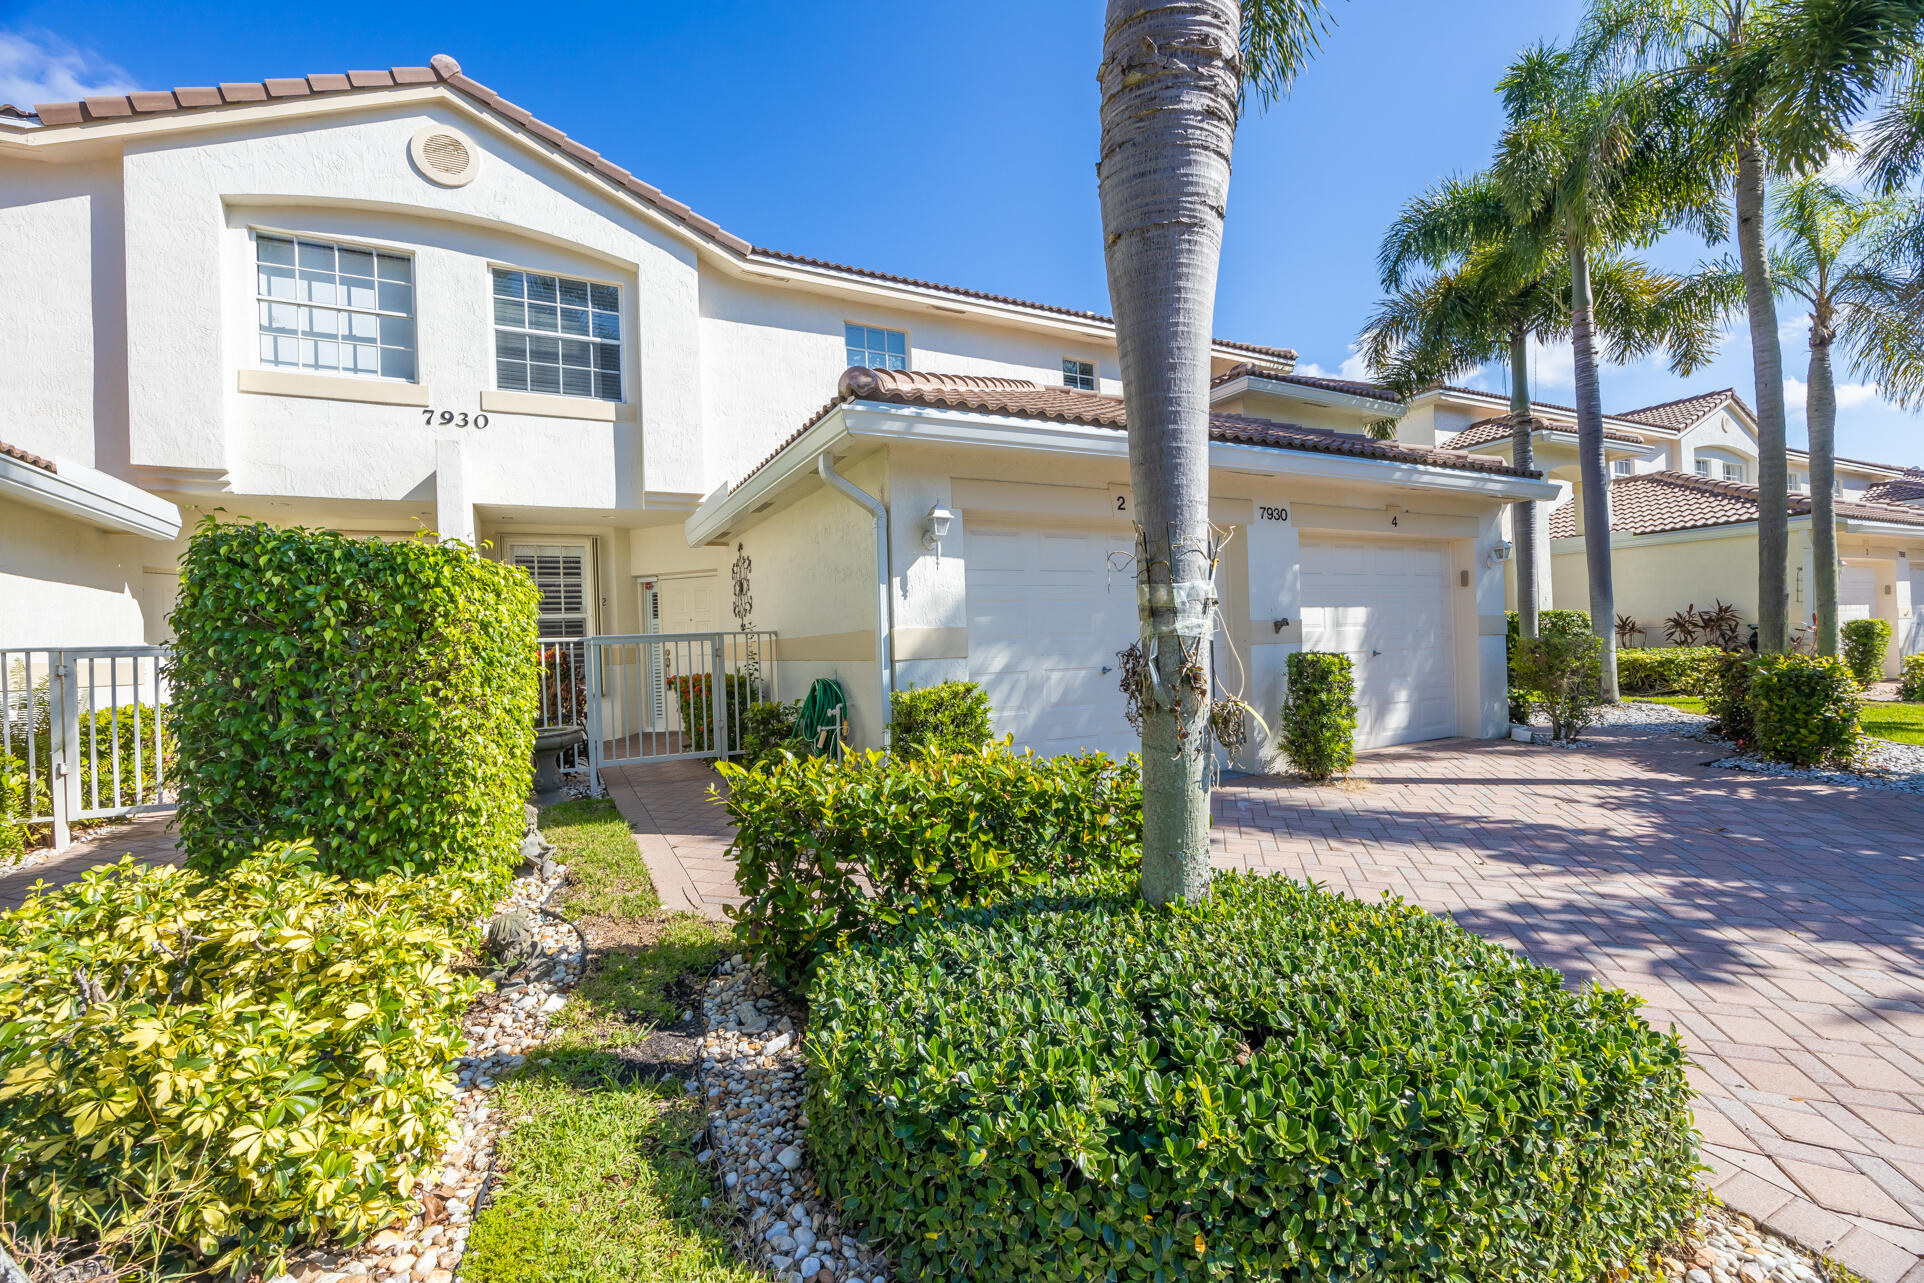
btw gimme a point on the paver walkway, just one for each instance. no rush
(1778, 924)
(147, 838)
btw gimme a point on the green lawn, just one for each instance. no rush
(598, 1178)
(1684, 703)
(1901, 722)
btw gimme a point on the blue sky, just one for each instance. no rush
(949, 141)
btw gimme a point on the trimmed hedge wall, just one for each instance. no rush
(379, 698)
(1319, 714)
(1275, 1083)
(1865, 641)
(828, 851)
(1665, 670)
(949, 717)
(1804, 708)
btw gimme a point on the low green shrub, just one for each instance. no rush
(1275, 1083)
(1562, 672)
(1726, 694)
(13, 802)
(1319, 714)
(827, 851)
(379, 698)
(263, 1055)
(768, 729)
(118, 749)
(949, 717)
(1665, 670)
(1804, 708)
(1550, 623)
(1865, 641)
(1910, 688)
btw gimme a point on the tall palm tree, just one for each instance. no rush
(1172, 78)
(1493, 286)
(1597, 163)
(1831, 251)
(1776, 84)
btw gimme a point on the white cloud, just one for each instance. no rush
(1353, 367)
(38, 66)
(1850, 396)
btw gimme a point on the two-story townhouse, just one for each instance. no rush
(395, 303)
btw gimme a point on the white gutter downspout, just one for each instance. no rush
(884, 604)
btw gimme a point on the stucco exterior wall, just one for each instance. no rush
(67, 583)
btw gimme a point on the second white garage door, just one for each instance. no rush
(1046, 618)
(1856, 593)
(1385, 604)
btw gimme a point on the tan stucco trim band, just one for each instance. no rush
(332, 387)
(827, 647)
(931, 643)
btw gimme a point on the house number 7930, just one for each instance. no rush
(1269, 513)
(454, 419)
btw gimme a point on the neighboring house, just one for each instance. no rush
(393, 302)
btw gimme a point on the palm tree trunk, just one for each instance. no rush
(1170, 79)
(1820, 410)
(1590, 466)
(1523, 516)
(1767, 364)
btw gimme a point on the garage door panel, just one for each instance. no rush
(1386, 604)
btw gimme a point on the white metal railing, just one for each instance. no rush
(660, 696)
(81, 735)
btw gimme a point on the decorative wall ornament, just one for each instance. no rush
(744, 602)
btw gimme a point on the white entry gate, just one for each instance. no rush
(661, 696)
(81, 735)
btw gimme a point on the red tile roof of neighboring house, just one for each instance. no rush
(1497, 428)
(1653, 502)
(1349, 387)
(15, 452)
(1684, 411)
(1020, 398)
(443, 69)
(1905, 489)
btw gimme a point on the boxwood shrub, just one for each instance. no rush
(1665, 670)
(224, 1067)
(379, 698)
(1319, 714)
(1911, 687)
(1804, 708)
(948, 717)
(827, 851)
(1275, 1083)
(1727, 696)
(1865, 641)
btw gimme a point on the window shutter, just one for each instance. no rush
(560, 572)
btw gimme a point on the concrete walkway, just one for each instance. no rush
(148, 838)
(1777, 924)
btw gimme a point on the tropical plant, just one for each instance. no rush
(948, 717)
(1910, 687)
(1720, 625)
(1627, 630)
(1172, 81)
(1865, 641)
(1774, 88)
(768, 730)
(1833, 253)
(1683, 628)
(1598, 163)
(1561, 674)
(1726, 691)
(1319, 714)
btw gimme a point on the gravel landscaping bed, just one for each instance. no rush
(1881, 764)
(1731, 1248)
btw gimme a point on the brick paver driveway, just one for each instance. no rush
(1778, 924)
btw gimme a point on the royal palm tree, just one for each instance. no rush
(1776, 85)
(1172, 79)
(1832, 253)
(1491, 287)
(1598, 164)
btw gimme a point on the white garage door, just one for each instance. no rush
(1385, 604)
(1856, 592)
(1046, 618)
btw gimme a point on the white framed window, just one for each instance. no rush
(1080, 375)
(1621, 468)
(1735, 472)
(557, 335)
(1798, 481)
(1703, 467)
(560, 573)
(334, 308)
(1837, 489)
(875, 348)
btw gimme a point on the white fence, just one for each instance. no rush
(661, 696)
(81, 735)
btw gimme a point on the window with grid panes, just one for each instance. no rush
(560, 573)
(1080, 375)
(556, 335)
(332, 308)
(875, 348)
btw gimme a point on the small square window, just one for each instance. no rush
(1703, 467)
(1621, 468)
(1736, 472)
(1080, 375)
(877, 349)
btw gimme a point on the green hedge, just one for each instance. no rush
(768, 730)
(1726, 694)
(379, 698)
(1550, 623)
(1911, 687)
(1319, 714)
(1865, 641)
(949, 717)
(222, 1068)
(1275, 1083)
(827, 851)
(1562, 671)
(1804, 708)
(1665, 670)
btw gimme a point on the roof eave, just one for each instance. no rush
(1309, 394)
(86, 494)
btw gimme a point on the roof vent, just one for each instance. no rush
(444, 156)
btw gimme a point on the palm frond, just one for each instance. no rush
(1279, 38)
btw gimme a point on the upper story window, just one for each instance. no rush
(340, 309)
(1080, 375)
(557, 335)
(1735, 472)
(1621, 468)
(1703, 467)
(875, 348)
(1797, 481)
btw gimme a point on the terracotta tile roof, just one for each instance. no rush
(1684, 411)
(1020, 398)
(1652, 502)
(443, 69)
(1906, 489)
(1497, 428)
(10, 112)
(1348, 387)
(34, 460)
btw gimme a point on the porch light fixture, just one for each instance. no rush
(938, 530)
(1499, 552)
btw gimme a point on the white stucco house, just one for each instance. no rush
(393, 302)
(1683, 509)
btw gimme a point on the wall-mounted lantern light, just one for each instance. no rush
(937, 531)
(1499, 553)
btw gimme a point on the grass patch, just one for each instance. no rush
(646, 984)
(608, 877)
(1682, 703)
(1901, 722)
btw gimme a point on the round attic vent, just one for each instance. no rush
(444, 156)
